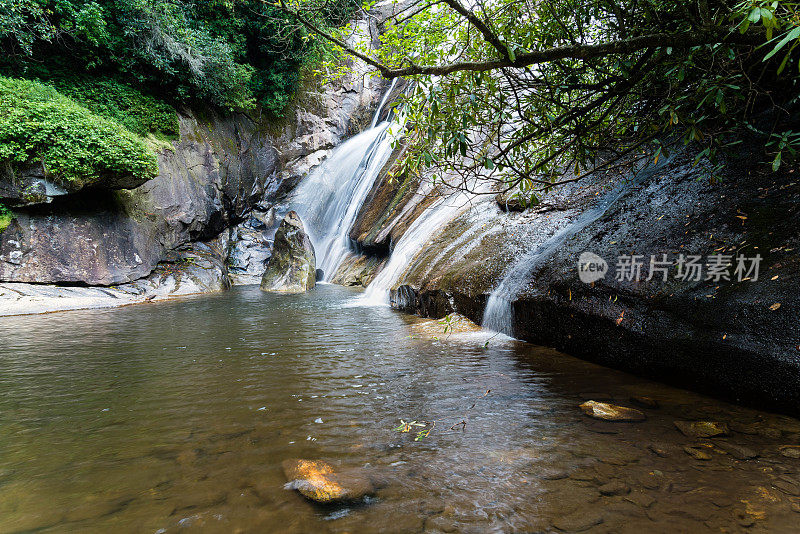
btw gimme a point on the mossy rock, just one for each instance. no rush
(292, 267)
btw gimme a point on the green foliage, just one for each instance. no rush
(38, 124)
(5, 217)
(141, 114)
(730, 71)
(232, 54)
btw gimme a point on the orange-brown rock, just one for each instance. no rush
(317, 480)
(611, 412)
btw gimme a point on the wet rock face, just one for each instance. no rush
(293, 266)
(192, 268)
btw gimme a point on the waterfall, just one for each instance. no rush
(413, 240)
(329, 198)
(498, 314)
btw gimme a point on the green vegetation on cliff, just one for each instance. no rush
(105, 74)
(5, 217)
(72, 144)
(140, 113)
(228, 53)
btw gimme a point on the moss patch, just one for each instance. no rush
(5, 217)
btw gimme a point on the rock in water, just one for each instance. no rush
(293, 266)
(702, 429)
(611, 412)
(790, 451)
(316, 480)
(697, 453)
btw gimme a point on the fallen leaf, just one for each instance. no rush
(775, 306)
(619, 319)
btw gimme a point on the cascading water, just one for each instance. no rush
(328, 200)
(498, 314)
(413, 240)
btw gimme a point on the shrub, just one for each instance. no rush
(74, 145)
(141, 114)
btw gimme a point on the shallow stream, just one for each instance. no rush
(176, 416)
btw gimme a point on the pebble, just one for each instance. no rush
(697, 453)
(702, 429)
(615, 487)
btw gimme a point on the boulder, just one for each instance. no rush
(317, 481)
(292, 268)
(611, 412)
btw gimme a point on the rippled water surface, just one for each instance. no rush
(176, 416)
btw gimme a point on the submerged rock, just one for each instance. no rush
(316, 480)
(578, 521)
(702, 429)
(646, 402)
(697, 453)
(616, 487)
(790, 451)
(292, 267)
(740, 452)
(611, 412)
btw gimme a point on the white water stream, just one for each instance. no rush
(411, 243)
(329, 198)
(498, 315)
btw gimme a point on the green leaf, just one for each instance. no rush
(776, 163)
(794, 34)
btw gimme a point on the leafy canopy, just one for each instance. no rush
(229, 53)
(517, 91)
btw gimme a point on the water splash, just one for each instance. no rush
(330, 197)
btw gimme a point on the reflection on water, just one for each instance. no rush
(174, 416)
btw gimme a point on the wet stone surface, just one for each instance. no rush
(178, 416)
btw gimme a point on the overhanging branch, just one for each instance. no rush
(577, 51)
